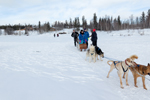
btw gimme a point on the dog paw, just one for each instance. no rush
(127, 84)
(122, 87)
(136, 86)
(145, 88)
(107, 76)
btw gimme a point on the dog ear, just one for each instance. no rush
(148, 64)
(128, 60)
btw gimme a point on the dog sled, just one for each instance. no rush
(81, 46)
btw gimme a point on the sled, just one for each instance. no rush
(82, 46)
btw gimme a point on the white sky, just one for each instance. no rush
(33, 11)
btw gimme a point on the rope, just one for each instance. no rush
(111, 59)
(140, 74)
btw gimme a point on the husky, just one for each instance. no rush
(91, 53)
(99, 53)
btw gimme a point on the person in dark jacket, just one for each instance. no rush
(75, 35)
(94, 37)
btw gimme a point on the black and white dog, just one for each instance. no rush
(99, 52)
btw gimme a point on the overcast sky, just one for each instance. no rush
(33, 11)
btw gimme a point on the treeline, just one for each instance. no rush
(109, 24)
(9, 29)
(106, 23)
(14, 27)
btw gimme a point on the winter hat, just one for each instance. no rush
(81, 31)
(84, 28)
(94, 30)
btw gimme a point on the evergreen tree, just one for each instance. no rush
(143, 20)
(137, 21)
(66, 24)
(39, 27)
(83, 22)
(148, 19)
(48, 26)
(119, 23)
(78, 24)
(39, 24)
(70, 24)
(75, 23)
(95, 21)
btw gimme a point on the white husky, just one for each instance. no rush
(91, 53)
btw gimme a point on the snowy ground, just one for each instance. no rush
(41, 67)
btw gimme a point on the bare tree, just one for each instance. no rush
(131, 21)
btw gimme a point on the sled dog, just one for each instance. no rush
(99, 53)
(91, 53)
(122, 67)
(139, 71)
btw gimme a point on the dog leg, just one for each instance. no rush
(135, 80)
(90, 59)
(111, 68)
(97, 57)
(94, 58)
(101, 58)
(127, 79)
(124, 75)
(143, 79)
(120, 76)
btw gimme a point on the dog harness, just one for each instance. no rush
(138, 65)
(123, 68)
(92, 53)
(115, 63)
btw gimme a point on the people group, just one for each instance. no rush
(84, 37)
(57, 35)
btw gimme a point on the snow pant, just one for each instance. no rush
(87, 43)
(75, 40)
(94, 43)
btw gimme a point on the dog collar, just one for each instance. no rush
(126, 63)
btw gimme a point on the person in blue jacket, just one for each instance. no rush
(82, 38)
(86, 33)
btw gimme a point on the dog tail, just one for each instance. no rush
(109, 61)
(133, 57)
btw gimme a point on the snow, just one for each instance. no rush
(41, 67)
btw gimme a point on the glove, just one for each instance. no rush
(80, 41)
(85, 40)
